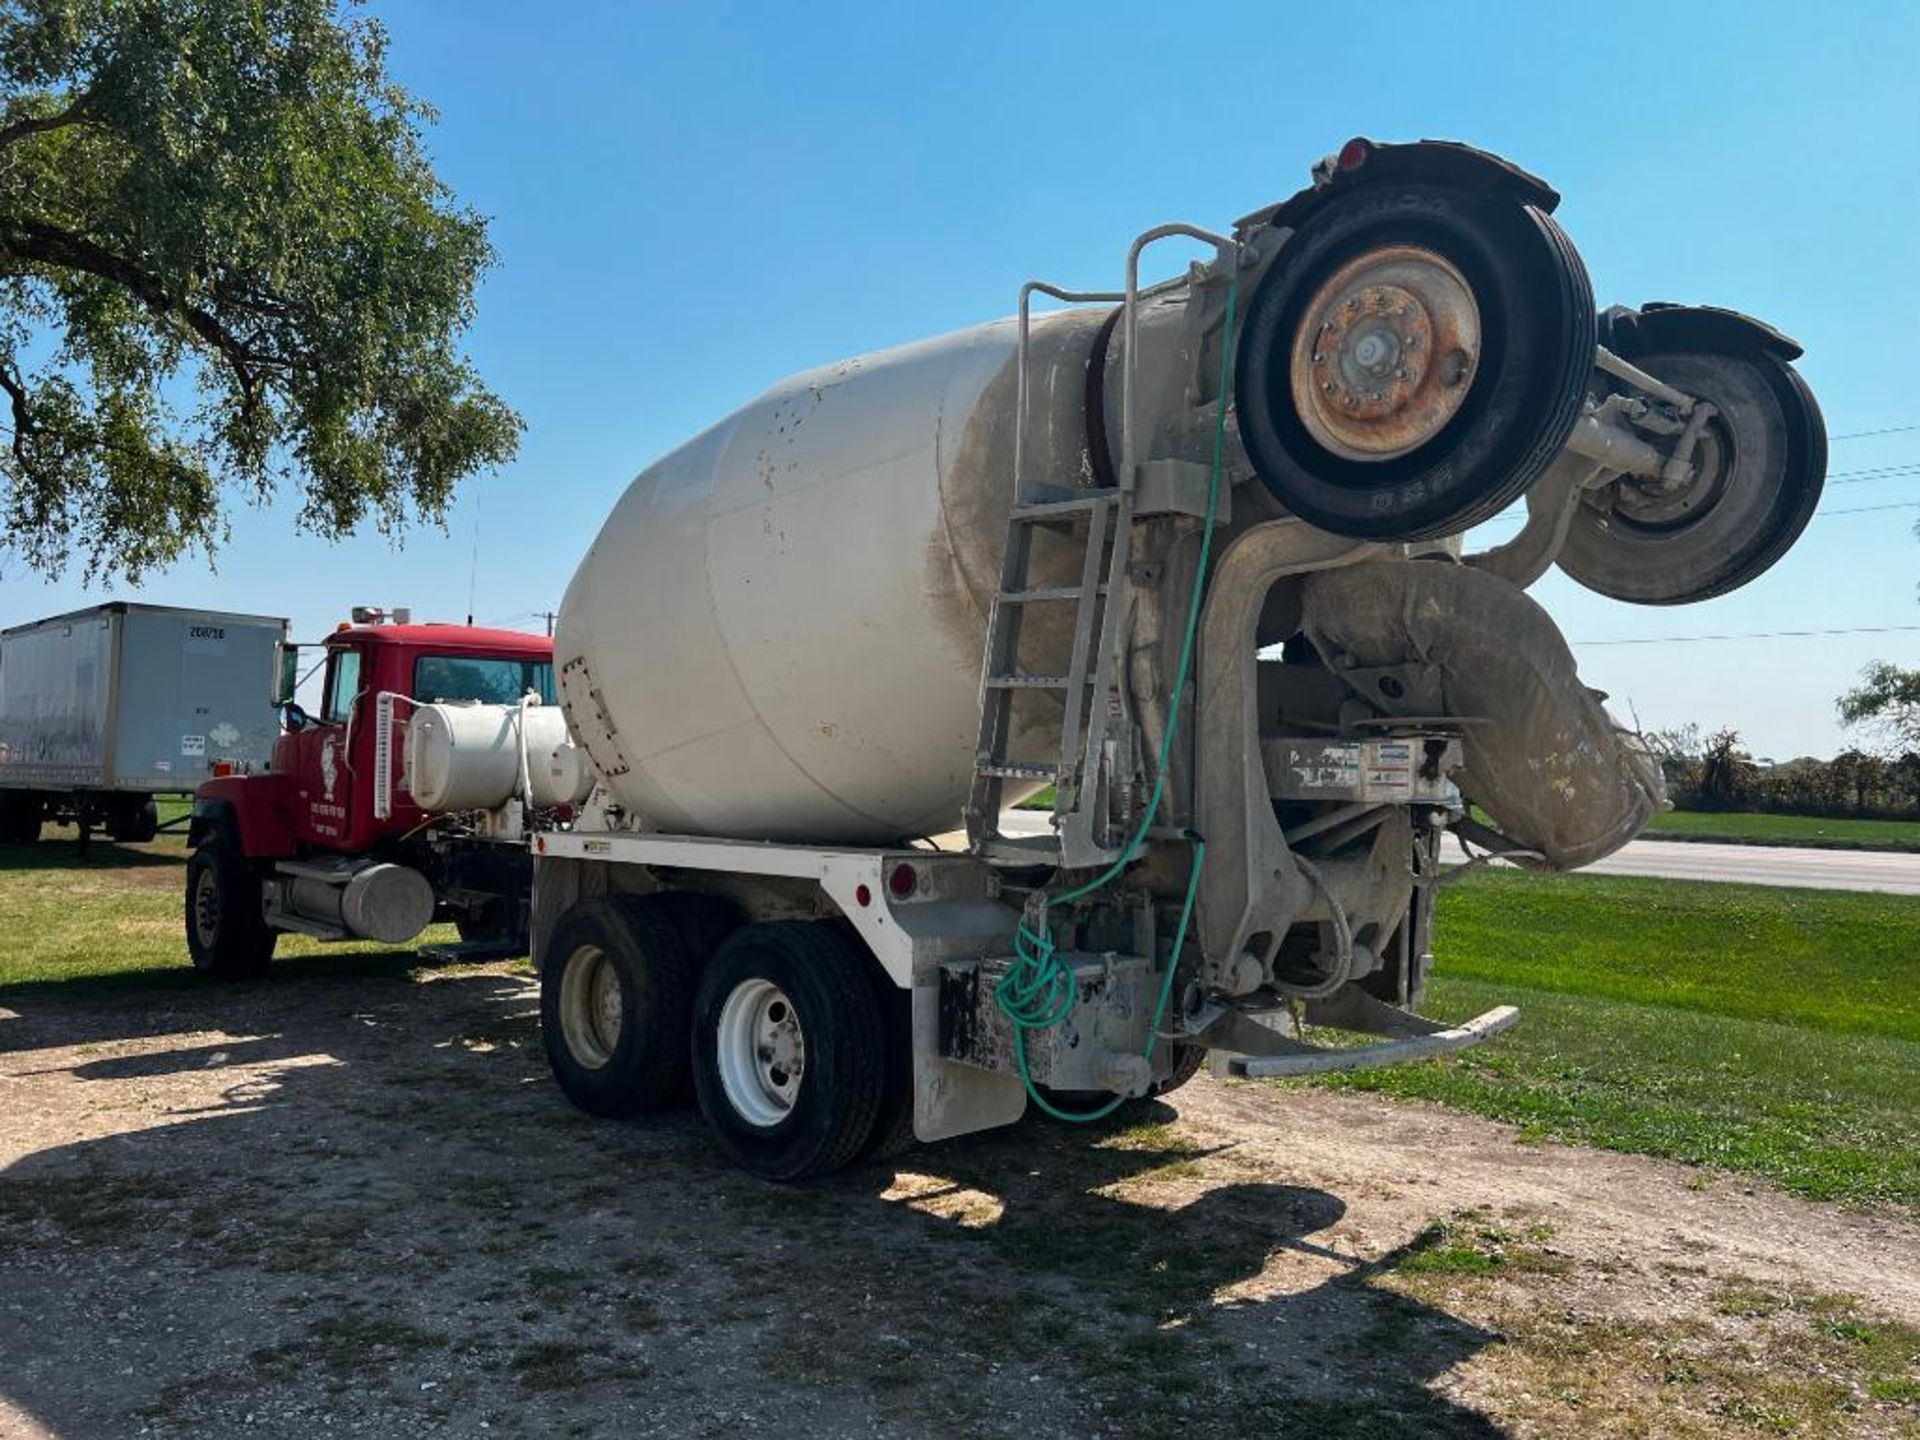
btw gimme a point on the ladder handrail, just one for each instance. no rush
(1084, 719)
(1020, 364)
(1223, 246)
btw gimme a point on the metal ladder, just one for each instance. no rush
(1096, 738)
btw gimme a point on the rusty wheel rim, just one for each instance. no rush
(1386, 353)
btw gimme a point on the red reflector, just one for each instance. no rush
(863, 895)
(902, 881)
(1354, 154)
(223, 767)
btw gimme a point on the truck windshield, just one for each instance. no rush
(470, 677)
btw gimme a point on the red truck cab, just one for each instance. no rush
(309, 822)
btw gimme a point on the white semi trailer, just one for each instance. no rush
(1191, 554)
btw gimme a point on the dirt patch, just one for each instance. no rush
(329, 1204)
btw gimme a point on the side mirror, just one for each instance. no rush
(287, 678)
(295, 717)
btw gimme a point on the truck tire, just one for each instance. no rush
(1761, 467)
(893, 1129)
(789, 1053)
(134, 824)
(615, 996)
(1413, 359)
(22, 813)
(227, 935)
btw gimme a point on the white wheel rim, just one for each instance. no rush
(760, 1051)
(206, 908)
(591, 1006)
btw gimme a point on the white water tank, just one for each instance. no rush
(466, 756)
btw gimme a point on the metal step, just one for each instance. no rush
(1019, 770)
(1058, 511)
(1045, 592)
(1033, 682)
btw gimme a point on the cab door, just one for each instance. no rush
(326, 799)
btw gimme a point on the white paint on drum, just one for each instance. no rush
(777, 634)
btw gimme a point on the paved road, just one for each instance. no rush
(1762, 865)
(1673, 860)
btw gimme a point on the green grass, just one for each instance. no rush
(1786, 830)
(116, 916)
(1770, 1031)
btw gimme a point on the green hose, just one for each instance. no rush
(1037, 992)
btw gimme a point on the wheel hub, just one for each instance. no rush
(1656, 505)
(591, 1006)
(206, 908)
(761, 1052)
(1385, 353)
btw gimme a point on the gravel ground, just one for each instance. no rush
(344, 1204)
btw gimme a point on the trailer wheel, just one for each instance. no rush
(134, 824)
(227, 934)
(1760, 466)
(21, 816)
(1413, 359)
(788, 1049)
(614, 1000)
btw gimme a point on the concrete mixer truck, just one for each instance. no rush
(1191, 554)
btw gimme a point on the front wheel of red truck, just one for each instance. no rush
(227, 934)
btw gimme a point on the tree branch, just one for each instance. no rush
(48, 245)
(75, 114)
(16, 389)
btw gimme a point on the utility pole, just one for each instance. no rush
(549, 616)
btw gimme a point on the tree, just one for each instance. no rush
(1726, 771)
(225, 264)
(1887, 700)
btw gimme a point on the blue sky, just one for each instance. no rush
(692, 201)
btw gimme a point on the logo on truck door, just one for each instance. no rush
(329, 766)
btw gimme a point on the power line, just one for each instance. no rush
(1866, 479)
(1866, 509)
(1756, 635)
(1863, 434)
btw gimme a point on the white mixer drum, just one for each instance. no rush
(778, 632)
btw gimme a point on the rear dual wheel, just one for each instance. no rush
(22, 815)
(616, 989)
(1413, 359)
(801, 1057)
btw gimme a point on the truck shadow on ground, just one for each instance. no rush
(342, 1199)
